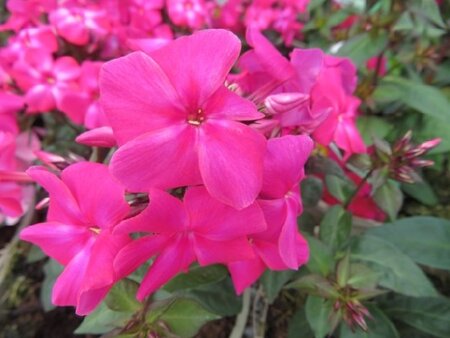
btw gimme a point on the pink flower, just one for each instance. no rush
(280, 246)
(337, 82)
(187, 13)
(188, 131)
(377, 63)
(82, 103)
(81, 24)
(199, 228)
(78, 231)
(45, 80)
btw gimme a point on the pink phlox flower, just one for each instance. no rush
(187, 13)
(199, 228)
(336, 83)
(26, 12)
(45, 80)
(82, 103)
(189, 131)
(283, 86)
(78, 231)
(280, 246)
(80, 24)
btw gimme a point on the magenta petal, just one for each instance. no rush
(66, 68)
(134, 88)
(164, 214)
(308, 64)
(270, 58)
(100, 272)
(231, 161)
(59, 241)
(68, 286)
(88, 300)
(98, 137)
(209, 56)
(137, 253)
(175, 258)
(218, 221)
(289, 238)
(165, 158)
(210, 251)
(270, 254)
(81, 177)
(225, 104)
(283, 164)
(63, 206)
(40, 99)
(245, 273)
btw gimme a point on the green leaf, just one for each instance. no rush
(379, 326)
(362, 47)
(318, 312)
(219, 297)
(362, 277)
(425, 239)
(185, 317)
(273, 282)
(422, 192)
(397, 271)
(122, 297)
(196, 277)
(52, 269)
(372, 126)
(298, 325)
(430, 315)
(335, 227)
(423, 98)
(103, 320)
(389, 198)
(341, 189)
(320, 257)
(315, 285)
(324, 166)
(312, 189)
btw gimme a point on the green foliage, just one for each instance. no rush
(397, 271)
(184, 317)
(424, 239)
(429, 315)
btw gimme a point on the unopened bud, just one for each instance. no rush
(284, 102)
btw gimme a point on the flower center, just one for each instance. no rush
(95, 230)
(196, 118)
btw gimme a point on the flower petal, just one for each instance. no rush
(165, 158)
(218, 221)
(164, 214)
(81, 177)
(225, 104)
(175, 258)
(210, 251)
(231, 161)
(245, 273)
(208, 57)
(137, 253)
(135, 88)
(63, 206)
(284, 164)
(59, 241)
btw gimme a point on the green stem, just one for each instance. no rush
(242, 318)
(358, 188)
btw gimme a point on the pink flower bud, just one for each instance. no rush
(284, 102)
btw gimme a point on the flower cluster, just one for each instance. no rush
(208, 146)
